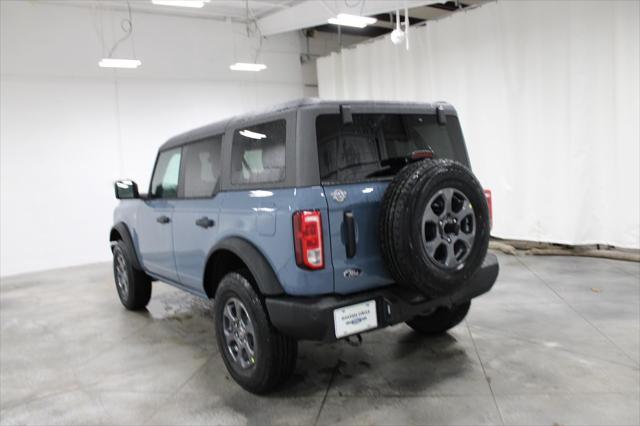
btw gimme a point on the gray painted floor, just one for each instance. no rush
(555, 342)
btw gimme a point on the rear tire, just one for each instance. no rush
(133, 286)
(440, 320)
(258, 357)
(434, 226)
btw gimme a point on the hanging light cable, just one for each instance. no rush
(250, 66)
(110, 62)
(397, 35)
(406, 25)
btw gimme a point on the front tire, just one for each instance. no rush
(257, 356)
(133, 286)
(439, 321)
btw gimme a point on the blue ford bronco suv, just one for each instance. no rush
(314, 220)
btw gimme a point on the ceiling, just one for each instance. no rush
(214, 9)
(277, 16)
(386, 21)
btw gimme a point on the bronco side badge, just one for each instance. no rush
(339, 195)
(352, 272)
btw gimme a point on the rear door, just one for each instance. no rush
(347, 155)
(196, 213)
(357, 161)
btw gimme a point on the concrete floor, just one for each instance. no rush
(555, 342)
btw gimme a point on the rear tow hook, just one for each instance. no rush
(355, 340)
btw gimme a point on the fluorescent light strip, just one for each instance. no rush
(244, 66)
(252, 135)
(181, 3)
(119, 63)
(352, 20)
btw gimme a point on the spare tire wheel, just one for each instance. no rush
(434, 226)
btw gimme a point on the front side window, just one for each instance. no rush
(202, 167)
(164, 183)
(374, 145)
(258, 153)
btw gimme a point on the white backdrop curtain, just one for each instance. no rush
(548, 96)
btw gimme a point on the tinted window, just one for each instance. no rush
(202, 167)
(258, 153)
(165, 178)
(367, 147)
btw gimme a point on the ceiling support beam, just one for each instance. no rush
(311, 13)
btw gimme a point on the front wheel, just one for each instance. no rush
(134, 286)
(257, 356)
(440, 320)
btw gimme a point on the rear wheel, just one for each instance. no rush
(440, 320)
(133, 286)
(257, 356)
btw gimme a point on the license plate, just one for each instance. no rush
(355, 318)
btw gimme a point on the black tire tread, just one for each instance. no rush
(397, 204)
(139, 281)
(439, 321)
(282, 351)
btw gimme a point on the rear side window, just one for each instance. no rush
(202, 167)
(258, 153)
(371, 145)
(164, 183)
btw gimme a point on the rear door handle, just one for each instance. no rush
(350, 228)
(205, 222)
(163, 220)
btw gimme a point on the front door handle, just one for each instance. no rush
(163, 220)
(205, 222)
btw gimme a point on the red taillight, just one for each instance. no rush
(423, 153)
(307, 239)
(487, 194)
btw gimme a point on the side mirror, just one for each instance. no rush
(126, 189)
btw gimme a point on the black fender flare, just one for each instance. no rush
(261, 270)
(123, 230)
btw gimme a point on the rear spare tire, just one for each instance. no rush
(434, 226)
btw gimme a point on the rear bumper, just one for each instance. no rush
(311, 318)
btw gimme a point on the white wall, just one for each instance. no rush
(321, 44)
(70, 128)
(548, 96)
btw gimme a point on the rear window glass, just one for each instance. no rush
(258, 153)
(202, 167)
(368, 147)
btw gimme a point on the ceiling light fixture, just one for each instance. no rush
(109, 61)
(181, 3)
(245, 66)
(119, 63)
(352, 20)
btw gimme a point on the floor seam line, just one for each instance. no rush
(178, 389)
(484, 371)
(536, 342)
(579, 314)
(326, 392)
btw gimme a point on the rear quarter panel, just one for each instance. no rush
(264, 218)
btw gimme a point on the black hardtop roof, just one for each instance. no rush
(222, 125)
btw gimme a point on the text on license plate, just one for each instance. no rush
(355, 318)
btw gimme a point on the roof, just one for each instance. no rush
(221, 126)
